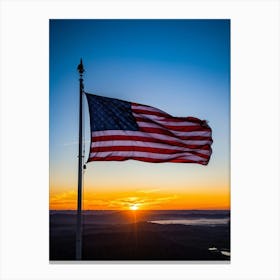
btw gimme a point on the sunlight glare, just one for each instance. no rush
(133, 207)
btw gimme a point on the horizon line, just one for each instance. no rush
(223, 209)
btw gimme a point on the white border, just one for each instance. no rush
(254, 131)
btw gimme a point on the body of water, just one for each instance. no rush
(195, 222)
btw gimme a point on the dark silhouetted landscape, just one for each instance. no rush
(142, 235)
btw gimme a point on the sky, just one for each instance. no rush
(179, 66)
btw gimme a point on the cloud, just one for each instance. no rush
(144, 202)
(68, 200)
(70, 195)
(150, 191)
(64, 200)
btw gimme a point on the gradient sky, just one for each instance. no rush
(179, 66)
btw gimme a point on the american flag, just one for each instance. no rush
(122, 130)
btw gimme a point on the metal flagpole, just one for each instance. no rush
(80, 168)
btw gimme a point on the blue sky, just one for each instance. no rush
(179, 66)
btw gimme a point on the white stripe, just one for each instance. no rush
(186, 156)
(151, 135)
(163, 120)
(115, 143)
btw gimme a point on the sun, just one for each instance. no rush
(133, 207)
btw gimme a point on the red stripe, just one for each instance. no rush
(122, 158)
(155, 140)
(144, 149)
(170, 119)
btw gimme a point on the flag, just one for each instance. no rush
(122, 130)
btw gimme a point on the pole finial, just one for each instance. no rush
(80, 68)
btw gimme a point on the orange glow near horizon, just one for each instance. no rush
(208, 199)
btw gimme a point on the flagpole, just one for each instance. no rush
(80, 170)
